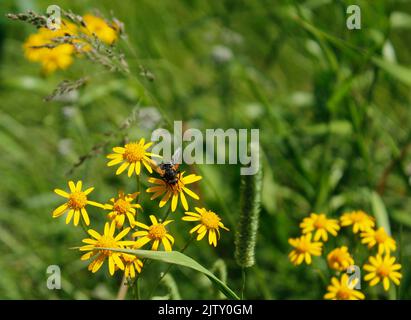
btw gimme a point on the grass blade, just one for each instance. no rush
(178, 258)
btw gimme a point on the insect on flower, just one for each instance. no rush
(172, 184)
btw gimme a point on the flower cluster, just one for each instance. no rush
(381, 266)
(44, 46)
(123, 229)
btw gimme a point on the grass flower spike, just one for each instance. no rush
(131, 156)
(106, 240)
(248, 218)
(383, 269)
(208, 222)
(320, 225)
(304, 248)
(157, 233)
(76, 203)
(343, 290)
(173, 191)
(121, 207)
(340, 259)
(359, 220)
(379, 238)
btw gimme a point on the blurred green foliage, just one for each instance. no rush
(332, 106)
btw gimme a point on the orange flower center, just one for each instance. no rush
(320, 222)
(157, 232)
(339, 259)
(121, 206)
(210, 220)
(303, 247)
(343, 294)
(134, 152)
(381, 236)
(384, 270)
(106, 242)
(77, 200)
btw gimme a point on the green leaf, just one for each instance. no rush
(400, 20)
(397, 71)
(380, 212)
(178, 258)
(402, 217)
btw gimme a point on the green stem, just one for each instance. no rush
(138, 183)
(244, 281)
(83, 225)
(138, 295)
(167, 213)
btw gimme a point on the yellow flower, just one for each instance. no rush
(100, 28)
(39, 47)
(131, 156)
(340, 259)
(208, 221)
(156, 233)
(382, 269)
(106, 240)
(358, 219)
(343, 290)
(304, 249)
(122, 207)
(321, 225)
(76, 203)
(379, 237)
(131, 265)
(174, 190)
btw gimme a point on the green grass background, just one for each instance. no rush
(332, 106)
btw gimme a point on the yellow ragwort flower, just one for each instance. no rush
(106, 240)
(382, 269)
(173, 190)
(121, 207)
(40, 47)
(156, 233)
(321, 225)
(100, 28)
(304, 249)
(379, 237)
(358, 219)
(76, 203)
(340, 259)
(208, 222)
(131, 156)
(131, 265)
(343, 290)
